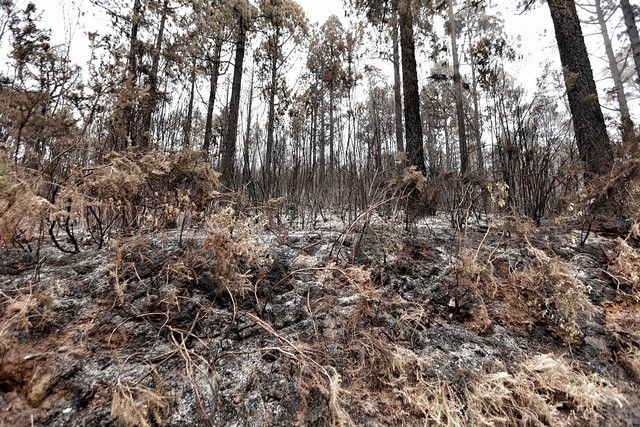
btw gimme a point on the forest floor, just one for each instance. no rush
(377, 328)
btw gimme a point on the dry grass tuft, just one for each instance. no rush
(394, 380)
(419, 192)
(22, 210)
(436, 401)
(230, 255)
(138, 405)
(39, 386)
(622, 319)
(122, 266)
(630, 359)
(544, 390)
(504, 399)
(587, 394)
(535, 288)
(624, 264)
(564, 296)
(134, 192)
(155, 179)
(474, 271)
(519, 226)
(16, 312)
(21, 311)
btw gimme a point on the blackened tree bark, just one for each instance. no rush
(476, 123)
(331, 130)
(231, 134)
(627, 123)
(397, 82)
(457, 82)
(132, 73)
(188, 124)
(590, 130)
(413, 124)
(632, 30)
(271, 120)
(322, 144)
(247, 180)
(213, 89)
(150, 107)
(377, 133)
(123, 131)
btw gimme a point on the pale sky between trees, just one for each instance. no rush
(531, 32)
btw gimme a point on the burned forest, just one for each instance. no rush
(319, 213)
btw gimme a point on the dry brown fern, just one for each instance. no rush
(23, 213)
(536, 392)
(138, 405)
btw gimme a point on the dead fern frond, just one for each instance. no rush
(630, 359)
(537, 392)
(22, 211)
(624, 263)
(138, 405)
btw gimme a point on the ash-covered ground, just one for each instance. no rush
(499, 325)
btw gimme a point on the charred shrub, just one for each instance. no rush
(135, 192)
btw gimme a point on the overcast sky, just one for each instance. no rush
(64, 19)
(534, 31)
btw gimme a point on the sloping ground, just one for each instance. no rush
(430, 329)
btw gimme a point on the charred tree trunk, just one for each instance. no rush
(132, 58)
(377, 135)
(397, 82)
(152, 105)
(477, 124)
(322, 146)
(431, 152)
(625, 116)
(331, 131)
(231, 136)
(457, 82)
(213, 89)
(590, 130)
(132, 74)
(268, 163)
(413, 124)
(124, 121)
(188, 125)
(632, 30)
(246, 168)
(313, 145)
(447, 146)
